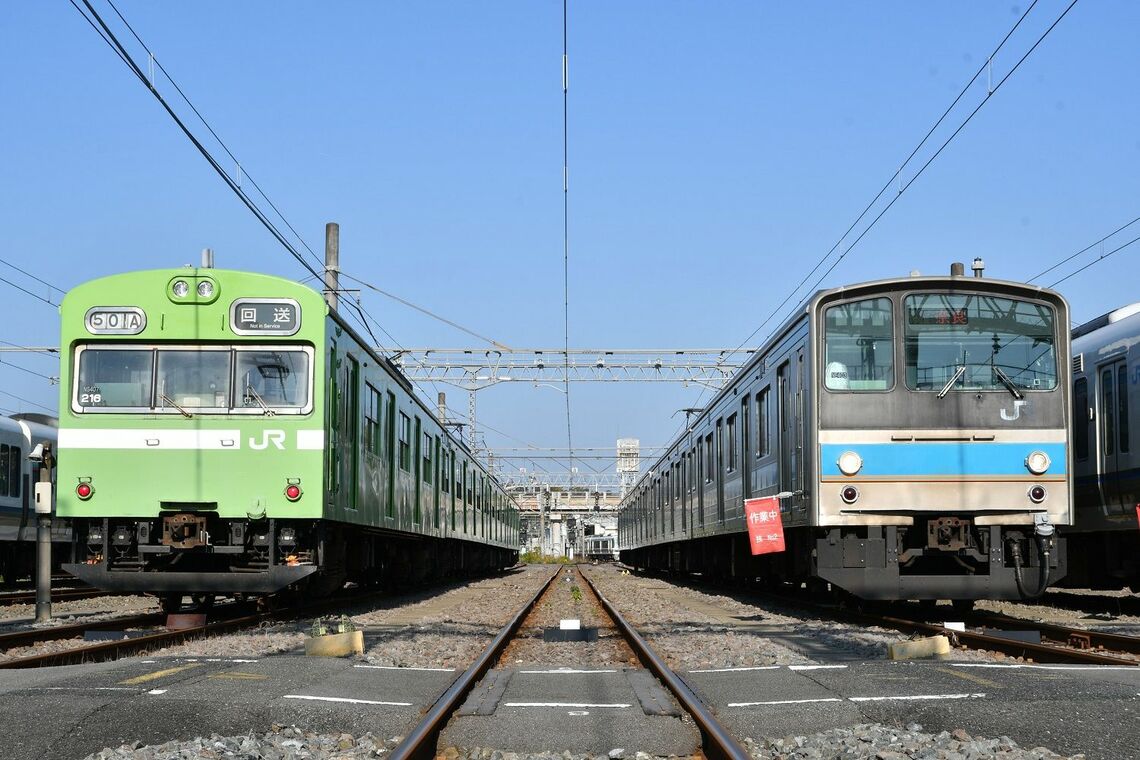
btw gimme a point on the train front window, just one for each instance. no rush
(978, 342)
(193, 379)
(859, 346)
(271, 379)
(114, 379)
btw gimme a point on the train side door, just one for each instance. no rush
(745, 462)
(1113, 429)
(352, 431)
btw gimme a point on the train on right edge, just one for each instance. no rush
(1104, 542)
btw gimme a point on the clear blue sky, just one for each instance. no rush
(716, 151)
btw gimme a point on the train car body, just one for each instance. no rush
(1104, 544)
(916, 429)
(19, 436)
(225, 432)
(602, 548)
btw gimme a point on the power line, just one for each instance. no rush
(1095, 261)
(221, 142)
(1087, 248)
(27, 401)
(902, 188)
(566, 216)
(50, 379)
(26, 273)
(897, 174)
(109, 37)
(423, 310)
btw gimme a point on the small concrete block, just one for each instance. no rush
(335, 645)
(931, 646)
(954, 625)
(569, 624)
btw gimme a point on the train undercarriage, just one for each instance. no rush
(204, 555)
(939, 558)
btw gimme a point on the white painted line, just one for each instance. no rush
(562, 671)
(917, 696)
(86, 688)
(578, 712)
(737, 670)
(579, 705)
(1041, 667)
(156, 692)
(817, 667)
(346, 699)
(238, 660)
(148, 662)
(784, 702)
(397, 667)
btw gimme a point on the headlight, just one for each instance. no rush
(205, 288)
(180, 288)
(1037, 462)
(850, 463)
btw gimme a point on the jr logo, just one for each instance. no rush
(277, 438)
(1017, 404)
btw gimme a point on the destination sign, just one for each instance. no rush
(115, 320)
(265, 316)
(946, 317)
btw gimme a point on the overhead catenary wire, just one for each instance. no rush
(1086, 249)
(28, 274)
(112, 40)
(902, 188)
(27, 401)
(566, 216)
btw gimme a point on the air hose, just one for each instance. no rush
(1015, 553)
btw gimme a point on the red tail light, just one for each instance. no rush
(293, 492)
(84, 491)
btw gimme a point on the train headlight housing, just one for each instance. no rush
(85, 490)
(180, 288)
(1037, 462)
(205, 288)
(850, 463)
(1038, 494)
(849, 494)
(293, 490)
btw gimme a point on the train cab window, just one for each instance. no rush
(193, 379)
(1081, 419)
(859, 346)
(115, 379)
(405, 442)
(975, 342)
(271, 379)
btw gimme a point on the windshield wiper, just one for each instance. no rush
(170, 401)
(1009, 385)
(251, 392)
(950, 383)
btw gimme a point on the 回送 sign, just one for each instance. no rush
(765, 528)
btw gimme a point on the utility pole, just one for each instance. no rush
(43, 453)
(332, 265)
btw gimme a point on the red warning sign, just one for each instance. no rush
(765, 528)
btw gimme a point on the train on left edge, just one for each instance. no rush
(19, 436)
(227, 433)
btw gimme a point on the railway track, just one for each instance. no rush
(421, 742)
(8, 599)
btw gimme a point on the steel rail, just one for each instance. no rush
(420, 743)
(1066, 635)
(59, 595)
(54, 633)
(717, 742)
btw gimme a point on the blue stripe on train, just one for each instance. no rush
(941, 458)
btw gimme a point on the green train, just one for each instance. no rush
(227, 433)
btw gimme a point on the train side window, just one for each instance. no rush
(710, 463)
(763, 436)
(731, 463)
(4, 469)
(427, 449)
(859, 346)
(405, 445)
(1081, 419)
(1122, 408)
(16, 458)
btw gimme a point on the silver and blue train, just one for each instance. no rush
(1105, 542)
(915, 430)
(19, 435)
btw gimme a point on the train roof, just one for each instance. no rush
(1104, 320)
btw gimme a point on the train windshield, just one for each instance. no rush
(859, 346)
(978, 342)
(190, 379)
